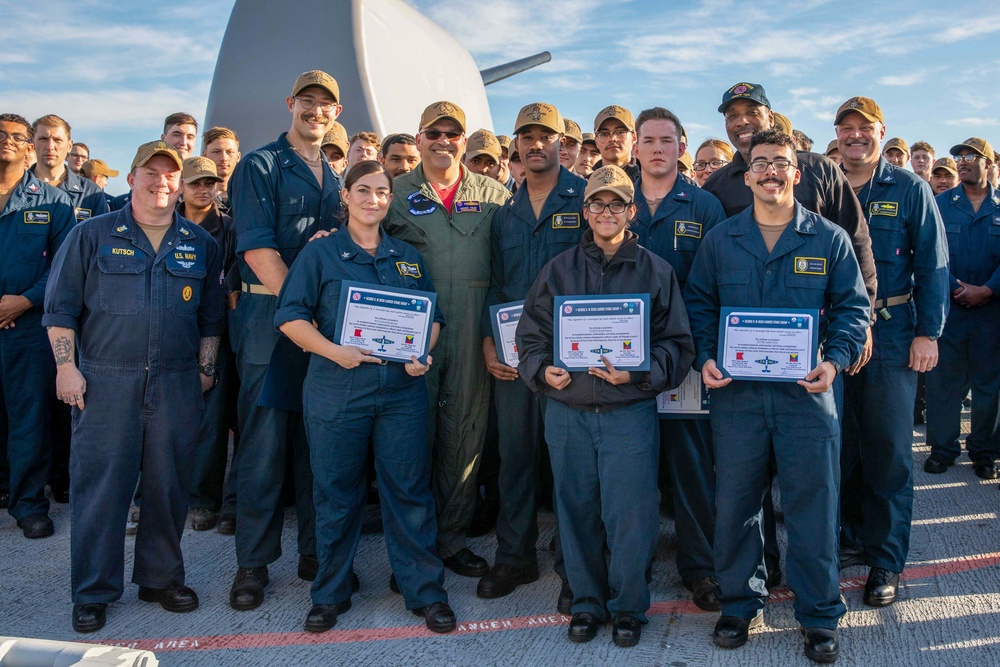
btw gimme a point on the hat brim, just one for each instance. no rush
(864, 114)
(170, 154)
(329, 89)
(460, 124)
(624, 194)
(957, 148)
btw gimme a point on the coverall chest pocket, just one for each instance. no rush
(993, 240)
(183, 294)
(887, 238)
(806, 291)
(734, 288)
(31, 242)
(122, 283)
(954, 238)
(512, 247)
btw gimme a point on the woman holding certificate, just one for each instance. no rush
(353, 395)
(607, 301)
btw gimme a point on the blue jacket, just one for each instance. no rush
(909, 245)
(277, 203)
(132, 308)
(33, 224)
(973, 238)
(520, 245)
(734, 269)
(681, 221)
(88, 199)
(312, 289)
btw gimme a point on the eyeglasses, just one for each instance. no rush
(309, 103)
(714, 164)
(968, 157)
(597, 207)
(434, 135)
(16, 139)
(760, 166)
(79, 156)
(620, 133)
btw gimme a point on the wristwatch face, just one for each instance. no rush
(207, 369)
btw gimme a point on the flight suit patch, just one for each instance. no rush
(566, 221)
(468, 207)
(36, 217)
(889, 208)
(687, 228)
(187, 293)
(420, 205)
(811, 266)
(82, 214)
(408, 270)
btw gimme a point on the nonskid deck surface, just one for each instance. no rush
(948, 612)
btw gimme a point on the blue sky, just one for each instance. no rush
(115, 70)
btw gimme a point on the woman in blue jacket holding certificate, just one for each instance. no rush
(351, 398)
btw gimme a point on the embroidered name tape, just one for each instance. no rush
(566, 221)
(811, 266)
(889, 208)
(687, 228)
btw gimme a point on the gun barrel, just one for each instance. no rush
(501, 72)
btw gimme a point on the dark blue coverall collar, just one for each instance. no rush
(567, 187)
(125, 227)
(683, 191)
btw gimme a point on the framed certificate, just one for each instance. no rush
(504, 318)
(615, 326)
(772, 344)
(394, 323)
(691, 400)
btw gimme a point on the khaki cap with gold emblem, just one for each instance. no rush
(318, 78)
(981, 146)
(832, 146)
(337, 136)
(863, 105)
(93, 168)
(197, 168)
(159, 147)
(483, 142)
(687, 161)
(539, 113)
(616, 112)
(435, 112)
(610, 179)
(504, 140)
(782, 123)
(945, 163)
(898, 144)
(588, 138)
(573, 130)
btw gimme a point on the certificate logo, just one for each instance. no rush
(356, 296)
(357, 333)
(626, 345)
(739, 356)
(766, 361)
(600, 349)
(382, 341)
(574, 347)
(504, 316)
(734, 320)
(675, 398)
(567, 309)
(793, 357)
(409, 340)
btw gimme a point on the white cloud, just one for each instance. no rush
(972, 122)
(907, 79)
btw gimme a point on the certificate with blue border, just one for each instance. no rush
(691, 400)
(394, 323)
(504, 318)
(771, 344)
(613, 325)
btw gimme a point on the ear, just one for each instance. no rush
(290, 101)
(797, 177)
(130, 179)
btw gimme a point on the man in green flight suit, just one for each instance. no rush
(445, 211)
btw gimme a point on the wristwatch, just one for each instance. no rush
(837, 367)
(207, 369)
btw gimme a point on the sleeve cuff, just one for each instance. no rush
(58, 320)
(285, 315)
(252, 239)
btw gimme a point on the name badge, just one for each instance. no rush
(408, 270)
(687, 228)
(811, 266)
(420, 205)
(82, 214)
(468, 207)
(36, 217)
(112, 251)
(888, 208)
(566, 221)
